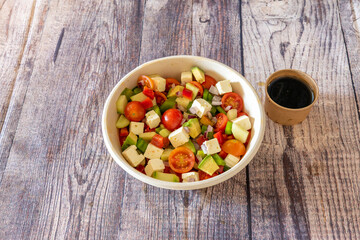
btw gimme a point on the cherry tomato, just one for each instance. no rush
(221, 122)
(181, 160)
(219, 137)
(234, 147)
(144, 80)
(232, 99)
(160, 141)
(198, 85)
(170, 82)
(160, 98)
(134, 111)
(209, 81)
(242, 114)
(172, 119)
(204, 175)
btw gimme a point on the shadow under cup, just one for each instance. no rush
(284, 115)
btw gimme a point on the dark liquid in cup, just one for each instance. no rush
(290, 93)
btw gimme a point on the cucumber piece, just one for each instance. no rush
(194, 127)
(182, 101)
(205, 94)
(189, 105)
(142, 145)
(157, 109)
(209, 98)
(137, 90)
(219, 161)
(131, 139)
(231, 114)
(194, 89)
(228, 128)
(173, 91)
(226, 168)
(121, 104)
(138, 97)
(122, 122)
(169, 103)
(190, 146)
(198, 74)
(164, 132)
(239, 133)
(147, 136)
(220, 109)
(165, 155)
(158, 129)
(169, 177)
(128, 93)
(200, 153)
(208, 165)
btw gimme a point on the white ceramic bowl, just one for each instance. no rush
(172, 67)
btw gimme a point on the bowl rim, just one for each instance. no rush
(180, 185)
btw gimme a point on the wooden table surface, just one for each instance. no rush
(59, 61)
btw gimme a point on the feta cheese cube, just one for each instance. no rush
(224, 87)
(179, 137)
(186, 77)
(152, 119)
(159, 82)
(137, 127)
(132, 156)
(211, 146)
(200, 107)
(154, 165)
(152, 152)
(231, 160)
(243, 122)
(190, 177)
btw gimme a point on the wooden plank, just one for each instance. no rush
(350, 26)
(304, 181)
(219, 212)
(59, 181)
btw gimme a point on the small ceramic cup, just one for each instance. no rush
(284, 115)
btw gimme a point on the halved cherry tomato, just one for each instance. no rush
(147, 103)
(160, 141)
(242, 114)
(219, 137)
(134, 111)
(222, 154)
(209, 81)
(148, 92)
(204, 175)
(221, 122)
(234, 100)
(140, 168)
(123, 132)
(181, 160)
(234, 147)
(198, 85)
(144, 80)
(187, 93)
(172, 119)
(200, 140)
(170, 82)
(160, 98)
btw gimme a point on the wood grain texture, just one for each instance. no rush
(60, 59)
(304, 182)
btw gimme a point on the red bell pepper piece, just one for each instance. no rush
(187, 93)
(200, 140)
(160, 141)
(148, 92)
(123, 132)
(140, 168)
(147, 103)
(222, 154)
